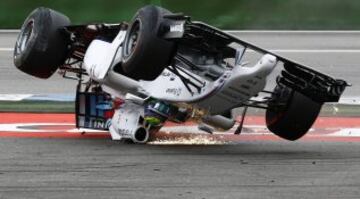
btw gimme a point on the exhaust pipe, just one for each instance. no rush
(219, 122)
(141, 135)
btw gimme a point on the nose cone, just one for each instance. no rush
(266, 64)
(271, 59)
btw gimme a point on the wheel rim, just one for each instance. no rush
(132, 38)
(24, 37)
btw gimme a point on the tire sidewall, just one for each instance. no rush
(292, 121)
(126, 57)
(47, 47)
(151, 53)
(37, 17)
(281, 95)
(148, 21)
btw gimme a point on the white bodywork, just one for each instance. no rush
(125, 122)
(233, 88)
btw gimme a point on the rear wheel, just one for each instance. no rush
(41, 47)
(294, 119)
(145, 55)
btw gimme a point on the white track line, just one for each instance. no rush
(14, 97)
(348, 132)
(318, 51)
(10, 31)
(296, 31)
(6, 49)
(312, 50)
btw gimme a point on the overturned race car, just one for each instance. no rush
(133, 77)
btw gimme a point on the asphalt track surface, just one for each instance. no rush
(42, 158)
(335, 53)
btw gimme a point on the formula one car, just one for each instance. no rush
(133, 77)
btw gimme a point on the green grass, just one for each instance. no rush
(37, 107)
(229, 14)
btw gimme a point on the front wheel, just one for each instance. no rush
(294, 116)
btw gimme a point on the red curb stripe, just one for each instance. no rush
(321, 125)
(321, 122)
(8, 118)
(52, 135)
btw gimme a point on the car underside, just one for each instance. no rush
(162, 66)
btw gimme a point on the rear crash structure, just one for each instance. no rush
(133, 77)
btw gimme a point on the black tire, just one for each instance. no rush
(293, 120)
(144, 54)
(41, 47)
